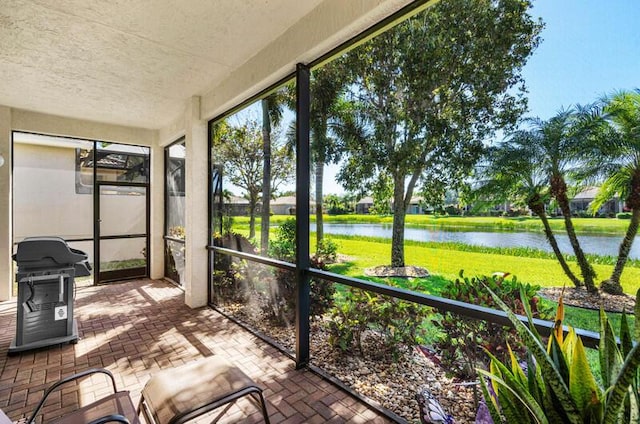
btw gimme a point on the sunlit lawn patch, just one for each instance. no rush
(448, 263)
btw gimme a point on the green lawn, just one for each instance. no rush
(449, 262)
(445, 260)
(446, 264)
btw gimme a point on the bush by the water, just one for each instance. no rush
(462, 349)
(327, 251)
(623, 215)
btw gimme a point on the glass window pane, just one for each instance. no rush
(175, 190)
(121, 162)
(175, 175)
(253, 171)
(174, 261)
(123, 254)
(122, 210)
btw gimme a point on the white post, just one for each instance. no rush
(196, 210)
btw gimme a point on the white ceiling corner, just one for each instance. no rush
(134, 63)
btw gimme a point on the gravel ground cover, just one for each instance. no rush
(391, 382)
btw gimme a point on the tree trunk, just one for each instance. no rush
(399, 215)
(266, 178)
(252, 218)
(559, 188)
(319, 198)
(613, 286)
(548, 232)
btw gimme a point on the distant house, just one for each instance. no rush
(582, 200)
(363, 205)
(416, 207)
(239, 206)
(286, 205)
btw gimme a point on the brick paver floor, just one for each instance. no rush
(139, 327)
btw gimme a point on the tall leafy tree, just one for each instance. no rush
(615, 157)
(239, 150)
(428, 91)
(514, 170)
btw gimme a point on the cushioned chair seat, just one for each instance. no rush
(179, 394)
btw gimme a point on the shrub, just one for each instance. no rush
(231, 277)
(558, 384)
(327, 251)
(398, 322)
(284, 245)
(281, 307)
(462, 350)
(623, 215)
(452, 210)
(582, 214)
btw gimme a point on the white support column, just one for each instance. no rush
(196, 209)
(157, 212)
(6, 249)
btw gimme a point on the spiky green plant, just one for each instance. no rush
(557, 384)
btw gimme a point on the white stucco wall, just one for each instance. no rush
(6, 264)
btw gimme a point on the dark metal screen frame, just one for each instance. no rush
(302, 269)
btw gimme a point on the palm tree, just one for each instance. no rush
(560, 141)
(514, 170)
(615, 133)
(327, 86)
(272, 106)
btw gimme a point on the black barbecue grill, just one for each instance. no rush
(47, 267)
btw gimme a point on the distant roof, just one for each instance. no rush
(237, 200)
(588, 193)
(288, 200)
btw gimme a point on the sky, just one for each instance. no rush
(589, 49)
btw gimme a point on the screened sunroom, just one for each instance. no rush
(195, 153)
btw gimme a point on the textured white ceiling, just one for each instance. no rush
(130, 62)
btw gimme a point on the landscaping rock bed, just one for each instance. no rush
(391, 382)
(580, 297)
(403, 271)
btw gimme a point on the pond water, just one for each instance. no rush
(597, 244)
